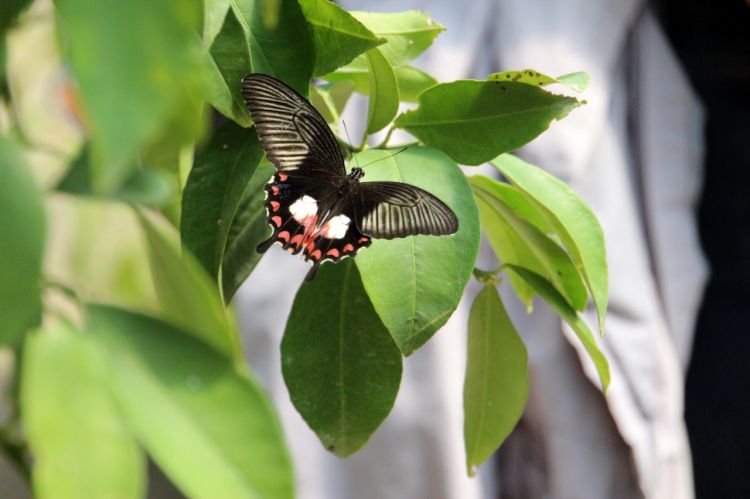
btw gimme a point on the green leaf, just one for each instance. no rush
(340, 365)
(572, 219)
(81, 446)
(214, 191)
(549, 259)
(408, 34)
(550, 295)
(415, 283)
(497, 380)
(214, 14)
(411, 81)
(273, 48)
(186, 294)
(575, 81)
(249, 228)
(227, 61)
(135, 63)
(207, 426)
(144, 186)
(474, 121)
(271, 11)
(383, 104)
(22, 225)
(337, 35)
(330, 100)
(514, 199)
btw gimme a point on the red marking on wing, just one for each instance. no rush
(284, 236)
(276, 221)
(316, 254)
(296, 239)
(363, 239)
(333, 252)
(274, 189)
(348, 248)
(283, 177)
(275, 205)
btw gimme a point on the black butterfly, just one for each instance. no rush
(313, 205)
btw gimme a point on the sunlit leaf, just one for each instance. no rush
(383, 103)
(497, 380)
(415, 283)
(474, 121)
(207, 426)
(81, 445)
(411, 81)
(340, 364)
(214, 13)
(575, 81)
(22, 225)
(572, 220)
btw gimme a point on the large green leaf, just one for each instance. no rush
(572, 220)
(557, 303)
(575, 81)
(214, 14)
(497, 380)
(330, 100)
(284, 49)
(474, 121)
(214, 191)
(549, 259)
(22, 225)
(408, 34)
(415, 283)
(135, 64)
(186, 294)
(227, 61)
(249, 228)
(383, 104)
(411, 81)
(210, 428)
(337, 35)
(80, 444)
(340, 365)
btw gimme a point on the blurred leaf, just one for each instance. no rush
(135, 63)
(497, 379)
(411, 81)
(273, 48)
(408, 34)
(214, 15)
(383, 103)
(338, 37)
(186, 294)
(474, 121)
(207, 426)
(415, 283)
(81, 446)
(330, 99)
(340, 365)
(271, 11)
(549, 259)
(214, 190)
(557, 303)
(249, 228)
(228, 60)
(9, 10)
(22, 225)
(145, 186)
(572, 219)
(575, 81)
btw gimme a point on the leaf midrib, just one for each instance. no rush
(480, 118)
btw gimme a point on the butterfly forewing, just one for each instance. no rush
(292, 132)
(392, 209)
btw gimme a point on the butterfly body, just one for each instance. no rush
(315, 207)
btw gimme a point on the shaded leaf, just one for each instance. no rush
(572, 219)
(383, 103)
(474, 121)
(340, 365)
(411, 81)
(207, 426)
(497, 379)
(415, 283)
(575, 81)
(80, 444)
(214, 14)
(337, 35)
(22, 225)
(557, 303)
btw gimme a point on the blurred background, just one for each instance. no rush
(662, 154)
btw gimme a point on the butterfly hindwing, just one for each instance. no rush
(291, 131)
(392, 209)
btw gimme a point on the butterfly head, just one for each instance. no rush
(356, 174)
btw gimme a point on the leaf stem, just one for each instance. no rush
(489, 276)
(384, 144)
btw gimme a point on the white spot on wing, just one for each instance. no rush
(303, 208)
(336, 227)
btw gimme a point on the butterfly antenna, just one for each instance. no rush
(389, 156)
(354, 156)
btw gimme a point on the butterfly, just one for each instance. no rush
(313, 205)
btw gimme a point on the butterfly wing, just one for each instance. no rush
(291, 131)
(392, 209)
